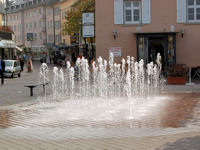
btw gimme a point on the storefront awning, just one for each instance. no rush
(18, 48)
(9, 44)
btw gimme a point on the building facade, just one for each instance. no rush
(37, 25)
(65, 6)
(27, 20)
(143, 28)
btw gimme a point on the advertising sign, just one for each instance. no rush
(88, 31)
(29, 36)
(88, 18)
(117, 51)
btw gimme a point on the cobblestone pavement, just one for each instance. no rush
(29, 124)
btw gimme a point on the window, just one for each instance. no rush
(193, 10)
(30, 25)
(40, 24)
(49, 11)
(50, 38)
(58, 38)
(57, 24)
(35, 25)
(57, 11)
(50, 24)
(132, 12)
(40, 36)
(26, 24)
(40, 11)
(35, 36)
(63, 15)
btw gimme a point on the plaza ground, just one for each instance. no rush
(20, 132)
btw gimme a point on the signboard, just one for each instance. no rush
(88, 31)
(88, 18)
(117, 51)
(29, 36)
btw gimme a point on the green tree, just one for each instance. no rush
(73, 17)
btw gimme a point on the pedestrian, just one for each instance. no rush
(2, 68)
(22, 64)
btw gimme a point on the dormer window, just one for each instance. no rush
(30, 3)
(12, 7)
(17, 6)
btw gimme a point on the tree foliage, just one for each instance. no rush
(74, 15)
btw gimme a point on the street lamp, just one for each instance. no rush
(114, 33)
(182, 32)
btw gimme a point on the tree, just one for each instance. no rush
(73, 17)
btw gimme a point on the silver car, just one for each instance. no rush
(12, 68)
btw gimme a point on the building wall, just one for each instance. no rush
(28, 21)
(163, 16)
(65, 6)
(53, 22)
(1, 19)
(14, 21)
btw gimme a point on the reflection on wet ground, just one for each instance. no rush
(172, 110)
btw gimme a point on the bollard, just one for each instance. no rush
(190, 79)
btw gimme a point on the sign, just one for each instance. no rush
(29, 36)
(88, 31)
(88, 18)
(117, 51)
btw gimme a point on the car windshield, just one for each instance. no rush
(8, 63)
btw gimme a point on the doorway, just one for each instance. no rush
(156, 45)
(150, 44)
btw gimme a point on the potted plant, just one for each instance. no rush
(177, 74)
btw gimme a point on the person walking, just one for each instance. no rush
(2, 68)
(22, 64)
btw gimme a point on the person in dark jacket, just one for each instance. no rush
(2, 69)
(22, 64)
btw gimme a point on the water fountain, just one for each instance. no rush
(104, 97)
(106, 92)
(107, 80)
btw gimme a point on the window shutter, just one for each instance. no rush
(146, 11)
(118, 11)
(181, 11)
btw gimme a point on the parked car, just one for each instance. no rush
(12, 68)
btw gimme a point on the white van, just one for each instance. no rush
(12, 68)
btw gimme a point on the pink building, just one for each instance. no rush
(28, 17)
(143, 28)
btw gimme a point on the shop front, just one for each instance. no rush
(8, 49)
(150, 44)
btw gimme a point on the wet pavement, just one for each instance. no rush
(168, 110)
(45, 125)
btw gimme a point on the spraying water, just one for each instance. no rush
(128, 79)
